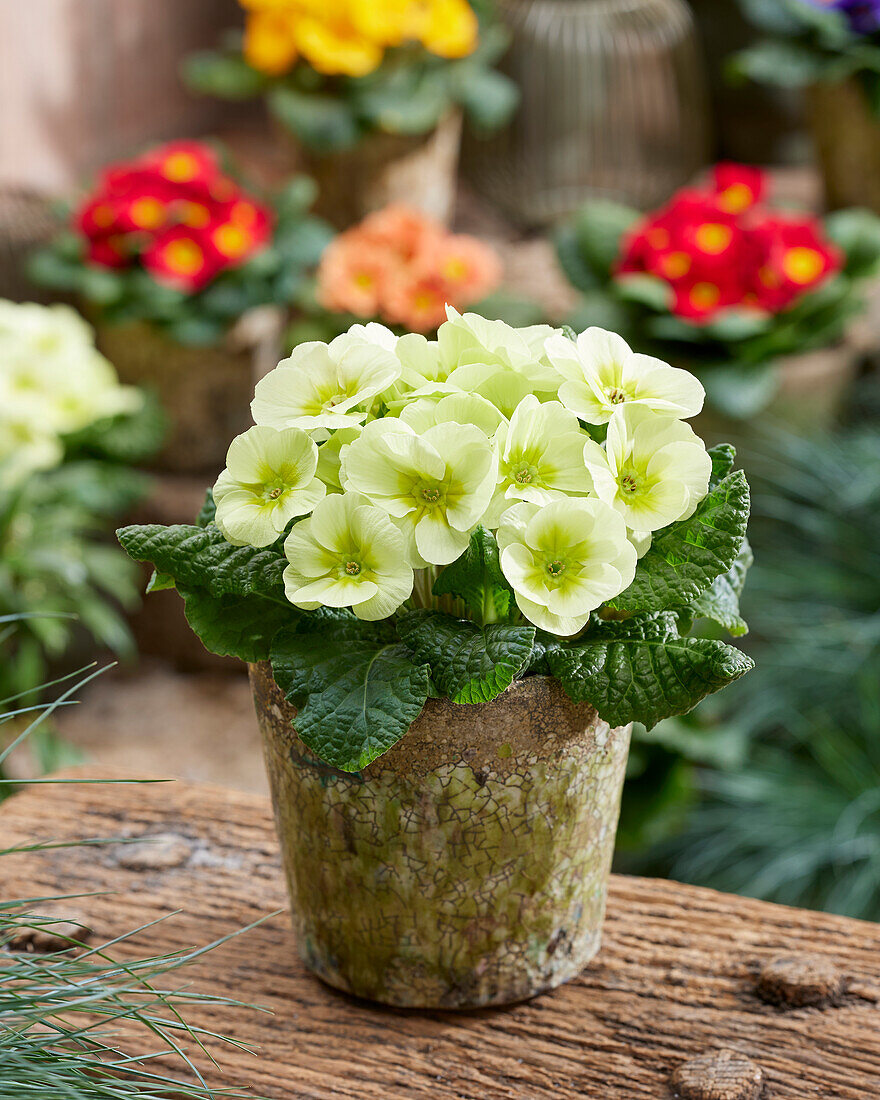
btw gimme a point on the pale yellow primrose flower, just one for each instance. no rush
(269, 480)
(51, 371)
(26, 446)
(437, 485)
(330, 456)
(459, 408)
(602, 372)
(490, 358)
(654, 469)
(469, 340)
(348, 553)
(374, 333)
(540, 454)
(45, 329)
(325, 385)
(564, 559)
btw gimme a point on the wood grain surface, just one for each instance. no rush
(676, 979)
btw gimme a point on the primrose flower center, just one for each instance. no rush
(629, 483)
(430, 494)
(556, 567)
(524, 477)
(274, 494)
(352, 568)
(616, 396)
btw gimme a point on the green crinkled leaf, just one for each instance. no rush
(127, 438)
(159, 582)
(488, 96)
(469, 664)
(740, 390)
(600, 226)
(857, 232)
(572, 260)
(199, 557)
(686, 557)
(403, 100)
(322, 122)
(223, 75)
(723, 458)
(234, 625)
(477, 579)
(641, 670)
(646, 290)
(207, 511)
(720, 601)
(360, 687)
(99, 488)
(787, 63)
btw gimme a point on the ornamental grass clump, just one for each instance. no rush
(411, 518)
(68, 1015)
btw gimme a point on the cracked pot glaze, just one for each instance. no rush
(468, 865)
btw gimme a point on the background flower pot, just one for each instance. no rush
(847, 136)
(465, 867)
(418, 170)
(811, 392)
(814, 385)
(205, 391)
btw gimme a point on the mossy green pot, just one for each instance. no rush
(466, 867)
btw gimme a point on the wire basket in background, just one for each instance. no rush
(613, 105)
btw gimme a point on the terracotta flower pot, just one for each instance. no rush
(206, 391)
(419, 171)
(847, 136)
(465, 867)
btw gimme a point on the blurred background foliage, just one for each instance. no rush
(773, 788)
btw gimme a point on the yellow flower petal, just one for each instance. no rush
(451, 28)
(269, 44)
(335, 48)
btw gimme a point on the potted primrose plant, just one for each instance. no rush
(751, 298)
(69, 434)
(184, 273)
(371, 95)
(398, 267)
(459, 570)
(830, 49)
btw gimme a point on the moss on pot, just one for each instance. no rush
(465, 867)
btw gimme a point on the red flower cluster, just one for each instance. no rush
(174, 211)
(718, 247)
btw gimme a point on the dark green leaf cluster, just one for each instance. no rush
(803, 43)
(57, 569)
(358, 686)
(408, 94)
(734, 354)
(277, 275)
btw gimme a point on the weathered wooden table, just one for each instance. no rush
(678, 977)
